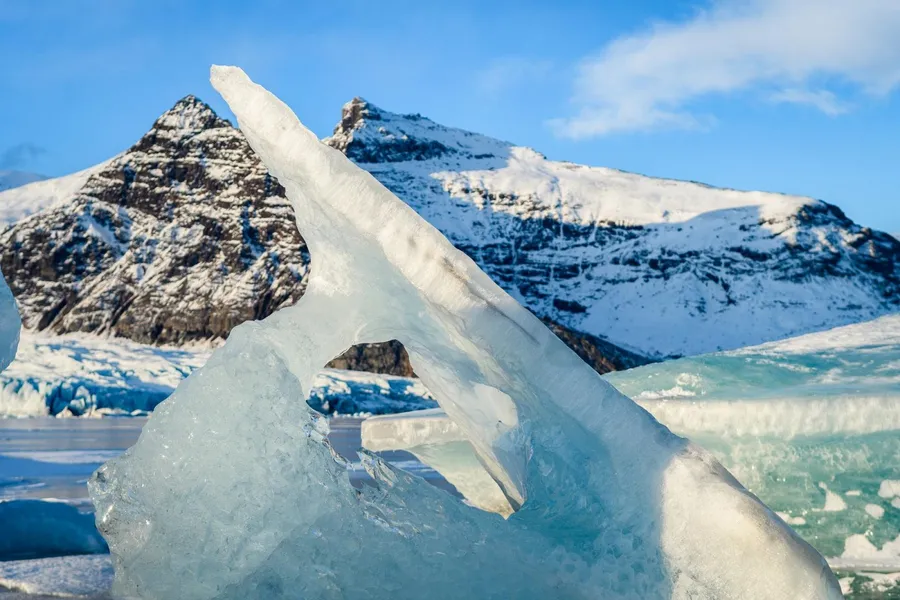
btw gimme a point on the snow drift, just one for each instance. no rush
(219, 502)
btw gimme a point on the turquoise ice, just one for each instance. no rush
(233, 492)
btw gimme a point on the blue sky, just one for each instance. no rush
(797, 96)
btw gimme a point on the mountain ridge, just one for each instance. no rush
(656, 266)
(664, 267)
(11, 178)
(177, 240)
(163, 243)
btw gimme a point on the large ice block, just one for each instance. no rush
(10, 325)
(233, 492)
(434, 439)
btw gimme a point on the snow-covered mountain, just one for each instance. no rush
(10, 179)
(30, 194)
(176, 241)
(18, 202)
(664, 267)
(185, 235)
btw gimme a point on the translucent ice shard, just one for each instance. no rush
(10, 324)
(434, 439)
(232, 491)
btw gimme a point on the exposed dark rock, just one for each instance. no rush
(184, 236)
(388, 357)
(600, 354)
(391, 357)
(177, 240)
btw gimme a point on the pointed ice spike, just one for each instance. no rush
(224, 495)
(10, 325)
(495, 368)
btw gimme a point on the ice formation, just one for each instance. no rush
(434, 439)
(808, 424)
(10, 324)
(216, 502)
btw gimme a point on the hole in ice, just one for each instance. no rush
(388, 358)
(369, 379)
(372, 380)
(388, 411)
(224, 496)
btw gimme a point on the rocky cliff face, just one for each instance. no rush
(391, 358)
(664, 267)
(185, 235)
(177, 240)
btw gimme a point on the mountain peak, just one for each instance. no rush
(369, 134)
(189, 116)
(354, 113)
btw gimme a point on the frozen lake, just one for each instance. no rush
(51, 459)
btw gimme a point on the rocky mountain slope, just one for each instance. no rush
(663, 267)
(176, 241)
(29, 198)
(185, 235)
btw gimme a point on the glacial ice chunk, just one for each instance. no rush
(233, 492)
(10, 325)
(434, 439)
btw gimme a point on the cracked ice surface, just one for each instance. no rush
(233, 492)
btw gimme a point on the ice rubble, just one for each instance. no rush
(218, 502)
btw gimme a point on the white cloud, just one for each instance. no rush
(798, 47)
(824, 100)
(503, 74)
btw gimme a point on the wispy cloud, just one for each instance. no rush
(20, 155)
(509, 72)
(648, 81)
(825, 101)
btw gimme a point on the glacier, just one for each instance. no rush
(84, 576)
(85, 375)
(216, 502)
(81, 375)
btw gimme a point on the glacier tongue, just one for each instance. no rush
(233, 492)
